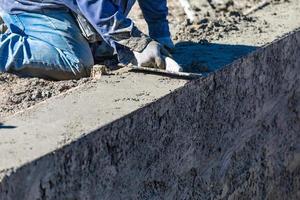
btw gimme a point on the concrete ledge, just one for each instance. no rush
(232, 135)
(58, 121)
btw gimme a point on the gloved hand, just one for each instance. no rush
(152, 56)
(156, 56)
(166, 42)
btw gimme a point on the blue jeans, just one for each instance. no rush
(48, 44)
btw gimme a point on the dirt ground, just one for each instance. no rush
(217, 21)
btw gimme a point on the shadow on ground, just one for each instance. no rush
(2, 126)
(208, 57)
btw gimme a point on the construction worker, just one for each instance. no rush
(61, 39)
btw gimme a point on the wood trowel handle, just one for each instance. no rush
(173, 69)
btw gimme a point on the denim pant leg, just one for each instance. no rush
(48, 44)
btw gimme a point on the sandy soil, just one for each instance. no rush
(19, 93)
(217, 22)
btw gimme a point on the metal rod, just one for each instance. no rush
(184, 75)
(257, 7)
(188, 10)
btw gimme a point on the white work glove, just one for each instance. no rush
(152, 56)
(166, 42)
(156, 56)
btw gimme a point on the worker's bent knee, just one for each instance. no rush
(37, 58)
(63, 66)
(65, 69)
(46, 73)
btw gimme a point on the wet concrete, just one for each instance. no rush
(58, 121)
(231, 135)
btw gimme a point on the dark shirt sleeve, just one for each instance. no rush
(155, 13)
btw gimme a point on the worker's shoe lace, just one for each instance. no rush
(3, 27)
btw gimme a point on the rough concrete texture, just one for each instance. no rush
(228, 31)
(56, 122)
(231, 135)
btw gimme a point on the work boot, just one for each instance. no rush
(3, 27)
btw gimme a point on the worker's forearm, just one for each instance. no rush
(109, 21)
(155, 13)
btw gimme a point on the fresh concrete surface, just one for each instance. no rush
(51, 124)
(232, 135)
(35, 163)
